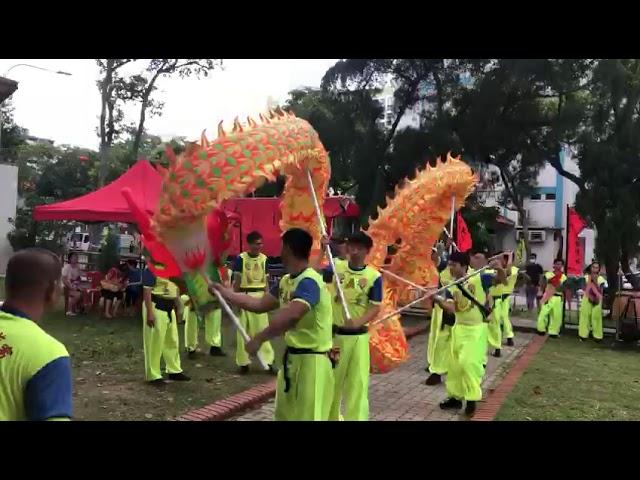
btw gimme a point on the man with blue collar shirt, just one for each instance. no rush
(301, 306)
(362, 288)
(35, 369)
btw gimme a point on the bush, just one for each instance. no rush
(109, 255)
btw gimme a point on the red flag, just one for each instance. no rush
(463, 240)
(575, 250)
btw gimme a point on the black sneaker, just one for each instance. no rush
(159, 382)
(244, 369)
(272, 370)
(191, 354)
(179, 377)
(434, 379)
(217, 352)
(553, 336)
(542, 334)
(510, 342)
(451, 404)
(497, 353)
(470, 409)
(582, 339)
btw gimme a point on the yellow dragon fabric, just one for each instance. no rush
(416, 214)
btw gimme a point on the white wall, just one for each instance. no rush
(8, 200)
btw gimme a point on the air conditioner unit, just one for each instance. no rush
(537, 236)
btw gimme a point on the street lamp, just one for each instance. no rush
(57, 72)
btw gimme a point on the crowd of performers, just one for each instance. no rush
(325, 369)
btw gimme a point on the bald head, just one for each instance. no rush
(32, 275)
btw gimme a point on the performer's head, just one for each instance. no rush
(339, 247)
(558, 265)
(533, 258)
(32, 282)
(478, 258)
(459, 264)
(359, 246)
(296, 248)
(255, 242)
(72, 258)
(594, 269)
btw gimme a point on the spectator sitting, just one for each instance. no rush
(113, 287)
(70, 279)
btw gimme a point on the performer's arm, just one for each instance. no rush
(263, 304)
(445, 302)
(148, 282)
(375, 299)
(237, 273)
(305, 297)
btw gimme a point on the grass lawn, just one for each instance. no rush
(108, 370)
(570, 380)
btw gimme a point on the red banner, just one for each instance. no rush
(463, 240)
(575, 248)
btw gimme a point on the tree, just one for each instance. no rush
(608, 146)
(413, 79)
(142, 87)
(109, 255)
(12, 135)
(47, 174)
(111, 86)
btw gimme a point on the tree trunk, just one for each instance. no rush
(525, 230)
(143, 112)
(104, 146)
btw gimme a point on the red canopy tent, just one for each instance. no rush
(107, 203)
(263, 215)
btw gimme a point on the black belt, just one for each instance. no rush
(350, 331)
(252, 289)
(558, 295)
(167, 305)
(505, 296)
(297, 351)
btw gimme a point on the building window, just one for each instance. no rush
(550, 196)
(536, 196)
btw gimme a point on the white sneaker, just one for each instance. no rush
(70, 314)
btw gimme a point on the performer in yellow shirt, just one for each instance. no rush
(250, 277)
(305, 383)
(362, 287)
(591, 305)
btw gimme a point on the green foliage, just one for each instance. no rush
(12, 135)
(109, 255)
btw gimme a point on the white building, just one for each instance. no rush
(411, 118)
(546, 209)
(8, 204)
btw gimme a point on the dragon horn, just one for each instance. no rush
(221, 132)
(279, 111)
(251, 122)
(236, 126)
(264, 119)
(203, 139)
(272, 114)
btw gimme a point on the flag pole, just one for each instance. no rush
(323, 231)
(453, 212)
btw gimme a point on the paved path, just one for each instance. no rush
(402, 395)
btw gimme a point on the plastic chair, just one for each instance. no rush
(93, 293)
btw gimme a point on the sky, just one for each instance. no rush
(66, 108)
